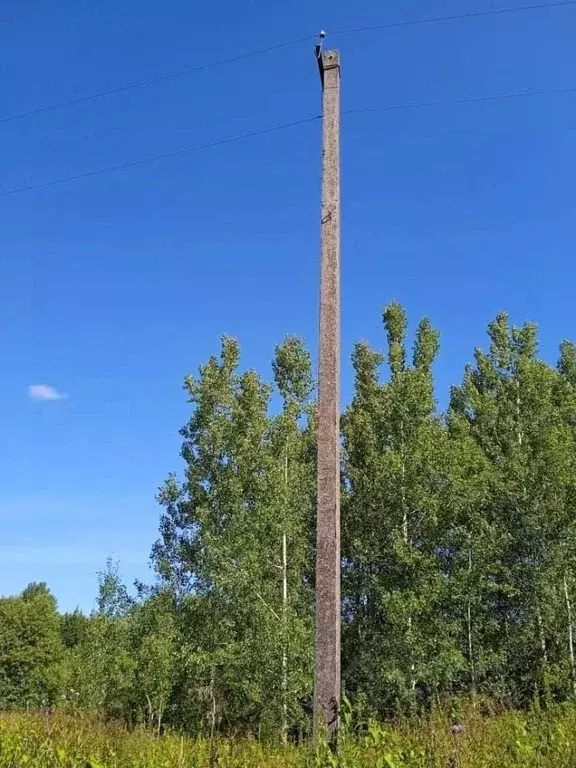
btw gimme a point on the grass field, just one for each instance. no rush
(538, 739)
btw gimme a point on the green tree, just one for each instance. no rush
(31, 649)
(399, 644)
(73, 627)
(235, 532)
(113, 598)
(469, 554)
(515, 405)
(100, 663)
(157, 646)
(292, 523)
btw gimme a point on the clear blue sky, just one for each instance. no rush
(113, 287)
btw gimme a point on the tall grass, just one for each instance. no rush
(537, 739)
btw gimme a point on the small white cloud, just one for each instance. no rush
(44, 392)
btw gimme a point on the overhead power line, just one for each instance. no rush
(153, 80)
(454, 17)
(457, 102)
(271, 48)
(165, 156)
(284, 126)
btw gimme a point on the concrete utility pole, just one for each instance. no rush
(327, 676)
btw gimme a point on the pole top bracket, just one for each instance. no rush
(326, 59)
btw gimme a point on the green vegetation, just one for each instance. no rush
(459, 570)
(509, 740)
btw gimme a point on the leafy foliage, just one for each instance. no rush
(509, 740)
(458, 555)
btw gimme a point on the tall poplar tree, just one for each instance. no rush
(398, 643)
(513, 404)
(235, 534)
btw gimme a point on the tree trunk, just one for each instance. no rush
(407, 542)
(544, 652)
(150, 711)
(469, 622)
(519, 432)
(284, 642)
(285, 617)
(541, 636)
(213, 707)
(570, 636)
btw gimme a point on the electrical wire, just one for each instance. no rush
(166, 155)
(456, 102)
(153, 80)
(284, 126)
(454, 17)
(276, 47)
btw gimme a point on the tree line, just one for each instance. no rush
(458, 549)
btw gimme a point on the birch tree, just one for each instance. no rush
(235, 532)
